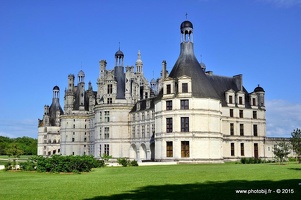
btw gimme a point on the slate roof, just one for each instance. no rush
(188, 65)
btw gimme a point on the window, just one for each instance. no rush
(133, 131)
(241, 113)
(107, 149)
(185, 104)
(255, 130)
(100, 150)
(143, 131)
(184, 124)
(241, 127)
(184, 87)
(231, 128)
(231, 113)
(109, 100)
(73, 125)
(256, 150)
(107, 116)
(168, 105)
(240, 100)
(168, 89)
(254, 114)
(100, 116)
(153, 128)
(168, 125)
(85, 139)
(184, 149)
(169, 149)
(232, 149)
(110, 88)
(242, 149)
(253, 101)
(73, 139)
(230, 99)
(100, 132)
(107, 132)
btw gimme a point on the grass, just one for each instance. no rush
(156, 182)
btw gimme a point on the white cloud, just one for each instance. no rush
(282, 117)
(18, 128)
(283, 3)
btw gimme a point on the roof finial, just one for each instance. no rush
(119, 45)
(201, 58)
(186, 15)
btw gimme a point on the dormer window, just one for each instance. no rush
(230, 99)
(168, 89)
(184, 87)
(240, 100)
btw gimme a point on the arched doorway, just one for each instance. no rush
(133, 152)
(143, 152)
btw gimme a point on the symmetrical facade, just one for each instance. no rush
(187, 115)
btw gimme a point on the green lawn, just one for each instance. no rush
(219, 181)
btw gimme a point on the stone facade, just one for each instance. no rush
(188, 115)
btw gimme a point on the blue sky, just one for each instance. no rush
(41, 42)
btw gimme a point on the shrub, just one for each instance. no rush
(125, 162)
(134, 163)
(250, 160)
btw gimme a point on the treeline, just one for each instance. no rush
(23, 145)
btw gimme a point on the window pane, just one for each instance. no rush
(184, 148)
(184, 87)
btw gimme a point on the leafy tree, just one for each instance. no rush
(296, 142)
(14, 150)
(281, 150)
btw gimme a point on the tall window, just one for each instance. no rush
(254, 114)
(255, 133)
(184, 124)
(241, 128)
(168, 105)
(256, 150)
(100, 116)
(232, 149)
(107, 132)
(169, 149)
(231, 128)
(168, 125)
(253, 101)
(107, 116)
(240, 100)
(143, 131)
(107, 149)
(143, 116)
(184, 149)
(185, 104)
(230, 99)
(241, 113)
(231, 113)
(100, 132)
(184, 87)
(242, 149)
(168, 89)
(110, 88)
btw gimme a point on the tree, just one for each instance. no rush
(281, 150)
(14, 150)
(296, 143)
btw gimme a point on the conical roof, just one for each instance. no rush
(188, 65)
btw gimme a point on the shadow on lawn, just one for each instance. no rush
(214, 190)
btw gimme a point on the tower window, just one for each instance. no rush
(109, 100)
(169, 149)
(107, 116)
(184, 124)
(168, 105)
(231, 113)
(107, 133)
(253, 101)
(184, 149)
(168, 89)
(241, 113)
(184, 87)
(107, 149)
(185, 104)
(168, 125)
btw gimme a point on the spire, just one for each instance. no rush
(139, 63)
